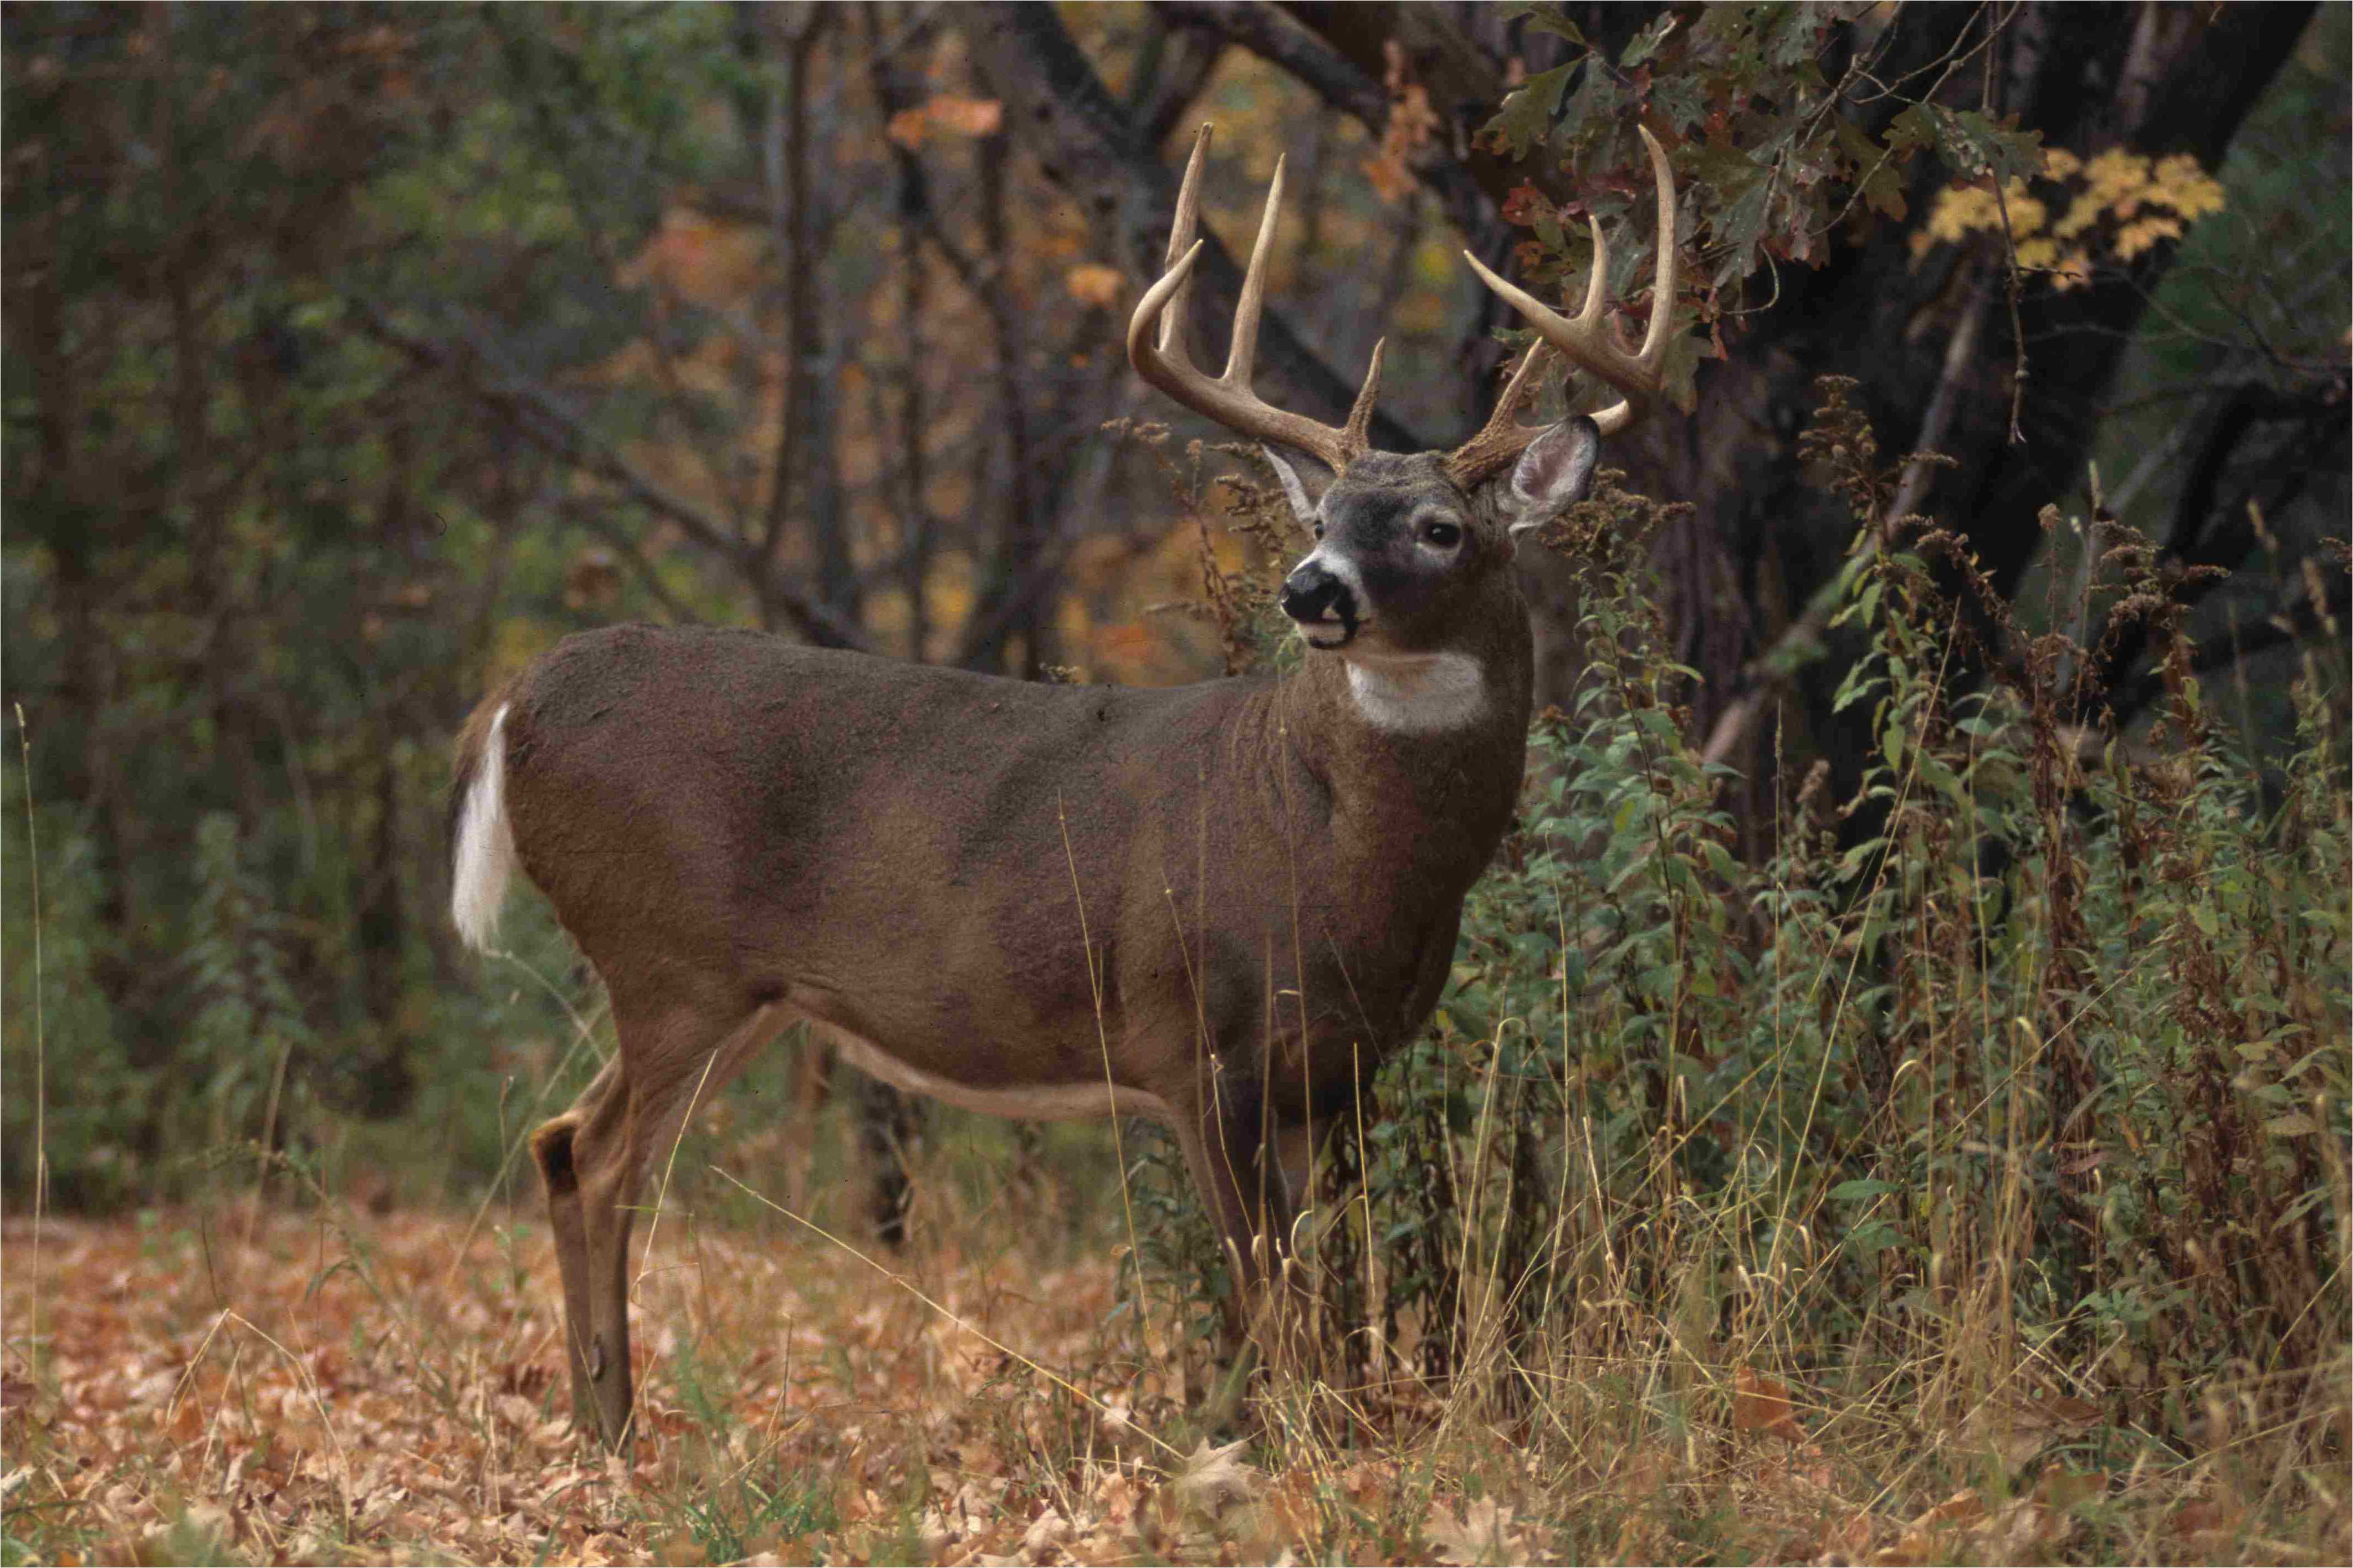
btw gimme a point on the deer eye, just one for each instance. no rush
(1445, 535)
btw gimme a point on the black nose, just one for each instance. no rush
(1313, 593)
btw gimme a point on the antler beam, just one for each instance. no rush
(1156, 339)
(1587, 341)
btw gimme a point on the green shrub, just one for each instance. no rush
(2037, 1078)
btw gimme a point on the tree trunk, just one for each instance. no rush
(2157, 79)
(1760, 539)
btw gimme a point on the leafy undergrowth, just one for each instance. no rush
(250, 1386)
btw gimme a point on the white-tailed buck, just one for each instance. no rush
(1219, 906)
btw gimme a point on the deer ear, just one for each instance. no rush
(1553, 473)
(1303, 505)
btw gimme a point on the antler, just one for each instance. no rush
(1587, 342)
(1161, 357)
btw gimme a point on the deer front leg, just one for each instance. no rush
(1229, 1150)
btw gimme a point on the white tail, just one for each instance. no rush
(1219, 906)
(485, 858)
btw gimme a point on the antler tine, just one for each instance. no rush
(1587, 342)
(1155, 345)
(1242, 355)
(1503, 438)
(1357, 436)
(1177, 319)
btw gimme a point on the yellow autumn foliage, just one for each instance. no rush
(2120, 202)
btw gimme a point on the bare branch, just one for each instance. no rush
(1089, 147)
(1277, 37)
(541, 419)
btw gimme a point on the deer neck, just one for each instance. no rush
(1419, 694)
(1401, 743)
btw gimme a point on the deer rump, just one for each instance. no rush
(1026, 900)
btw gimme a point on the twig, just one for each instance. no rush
(2010, 265)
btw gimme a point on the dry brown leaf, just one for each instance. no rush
(1212, 1479)
(2062, 1488)
(1850, 1541)
(1931, 1537)
(1121, 1497)
(1368, 1480)
(1047, 1531)
(2024, 1531)
(2016, 1427)
(2207, 1521)
(1760, 1403)
(1961, 1508)
(1482, 1534)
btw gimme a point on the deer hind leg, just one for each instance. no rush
(594, 1159)
(889, 1121)
(554, 1149)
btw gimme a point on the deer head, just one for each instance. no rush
(1410, 549)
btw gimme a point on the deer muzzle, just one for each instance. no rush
(1323, 603)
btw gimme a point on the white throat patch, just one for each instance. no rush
(1417, 693)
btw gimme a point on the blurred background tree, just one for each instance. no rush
(356, 353)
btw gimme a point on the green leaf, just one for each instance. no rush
(1646, 42)
(1527, 115)
(1679, 100)
(1597, 101)
(1861, 1188)
(1740, 185)
(1553, 19)
(1792, 33)
(1873, 169)
(1940, 777)
(2009, 152)
(1914, 129)
(1868, 1239)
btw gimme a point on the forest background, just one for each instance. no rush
(356, 355)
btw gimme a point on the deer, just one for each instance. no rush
(1216, 906)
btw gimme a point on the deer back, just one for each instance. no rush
(946, 863)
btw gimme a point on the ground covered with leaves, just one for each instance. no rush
(257, 1385)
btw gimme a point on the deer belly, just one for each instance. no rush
(1027, 1101)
